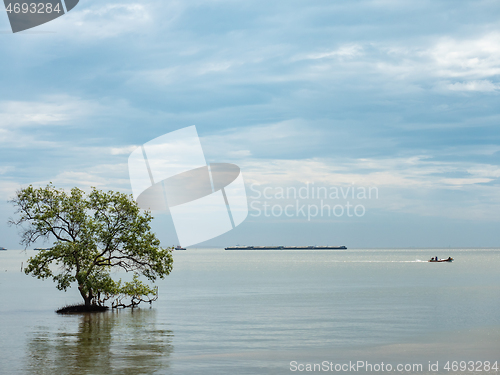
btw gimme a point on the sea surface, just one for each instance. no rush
(267, 312)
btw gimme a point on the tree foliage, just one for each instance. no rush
(92, 234)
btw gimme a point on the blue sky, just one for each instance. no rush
(400, 95)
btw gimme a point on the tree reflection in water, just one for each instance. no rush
(118, 342)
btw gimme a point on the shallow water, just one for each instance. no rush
(253, 312)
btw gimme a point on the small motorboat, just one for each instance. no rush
(179, 248)
(449, 259)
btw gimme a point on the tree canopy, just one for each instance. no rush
(92, 234)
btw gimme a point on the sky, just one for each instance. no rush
(398, 96)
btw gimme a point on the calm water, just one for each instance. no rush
(253, 312)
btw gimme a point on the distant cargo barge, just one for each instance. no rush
(286, 248)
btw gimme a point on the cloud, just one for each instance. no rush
(51, 110)
(7, 190)
(344, 51)
(447, 183)
(5, 169)
(410, 172)
(97, 173)
(105, 20)
(471, 58)
(30, 124)
(481, 85)
(390, 67)
(474, 60)
(126, 150)
(417, 186)
(239, 143)
(102, 176)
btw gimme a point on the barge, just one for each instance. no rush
(286, 248)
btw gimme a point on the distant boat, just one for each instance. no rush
(41, 248)
(179, 247)
(449, 259)
(3, 249)
(286, 248)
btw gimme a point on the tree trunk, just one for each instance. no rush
(86, 298)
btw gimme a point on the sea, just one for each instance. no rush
(268, 312)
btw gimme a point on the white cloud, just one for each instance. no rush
(239, 154)
(392, 172)
(19, 118)
(407, 185)
(344, 51)
(102, 176)
(110, 176)
(470, 58)
(6, 168)
(51, 110)
(481, 85)
(126, 150)
(475, 60)
(105, 20)
(8, 189)
(239, 143)
(214, 67)
(484, 170)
